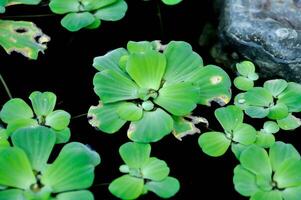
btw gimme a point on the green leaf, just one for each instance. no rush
(214, 85)
(58, 120)
(42, 103)
(11, 194)
(289, 123)
(245, 68)
(183, 127)
(76, 21)
(95, 4)
(239, 101)
(112, 86)
(66, 6)
(73, 169)
(37, 143)
(15, 169)
(94, 25)
(110, 60)
(21, 123)
(237, 149)
(265, 140)
(164, 189)
(155, 169)
(63, 136)
(214, 143)
(15, 109)
(258, 97)
(22, 37)
(229, 117)
(135, 155)
(279, 111)
(291, 97)
(179, 99)
(75, 195)
(292, 193)
(288, 173)
(113, 12)
(244, 181)
(171, 2)
(276, 86)
(127, 187)
(139, 47)
(28, 2)
(129, 111)
(147, 69)
(182, 63)
(271, 195)
(281, 152)
(244, 134)
(256, 160)
(257, 112)
(153, 126)
(270, 127)
(243, 83)
(105, 117)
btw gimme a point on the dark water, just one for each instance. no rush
(66, 70)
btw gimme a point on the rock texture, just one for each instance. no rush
(267, 32)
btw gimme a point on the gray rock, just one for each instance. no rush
(268, 32)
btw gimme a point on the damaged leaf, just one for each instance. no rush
(22, 37)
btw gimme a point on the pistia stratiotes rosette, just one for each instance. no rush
(156, 88)
(236, 133)
(143, 174)
(269, 176)
(17, 114)
(88, 13)
(25, 173)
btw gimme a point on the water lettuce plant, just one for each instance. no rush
(143, 174)
(155, 87)
(25, 173)
(247, 75)
(16, 113)
(272, 175)
(88, 13)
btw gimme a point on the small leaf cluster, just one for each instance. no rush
(155, 87)
(142, 174)
(88, 13)
(16, 113)
(25, 170)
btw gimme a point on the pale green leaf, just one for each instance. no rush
(66, 6)
(96, 4)
(244, 134)
(135, 155)
(270, 127)
(105, 117)
(22, 37)
(279, 111)
(73, 169)
(258, 96)
(276, 86)
(15, 169)
(291, 97)
(165, 188)
(63, 136)
(11, 194)
(256, 111)
(155, 169)
(265, 140)
(127, 187)
(76, 195)
(243, 83)
(293, 193)
(229, 117)
(289, 123)
(15, 109)
(182, 63)
(270, 195)
(113, 12)
(244, 181)
(139, 47)
(129, 111)
(58, 120)
(288, 173)
(281, 152)
(214, 143)
(76, 21)
(147, 69)
(20, 123)
(237, 149)
(28, 2)
(42, 103)
(179, 99)
(112, 86)
(153, 126)
(245, 68)
(37, 143)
